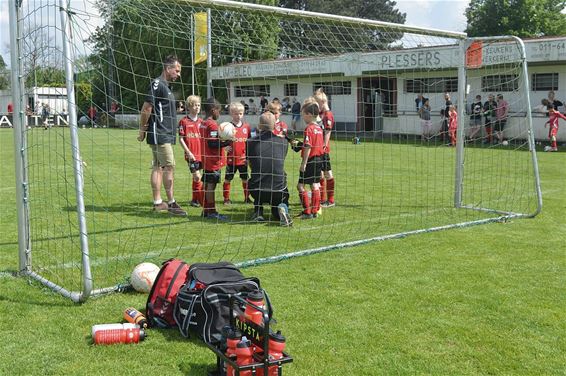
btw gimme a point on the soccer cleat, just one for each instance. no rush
(161, 208)
(327, 204)
(175, 209)
(304, 215)
(194, 204)
(227, 202)
(284, 217)
(215, 215)
(547, 148)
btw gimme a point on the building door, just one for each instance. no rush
(377, 100)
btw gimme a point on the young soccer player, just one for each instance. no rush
(213, 158)
(452, 124)
(281, 127)
(311, 160)
(326, 177)
(237, 153)
(189, 134)
(553, 130)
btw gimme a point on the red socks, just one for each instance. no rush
(323, 189)
(198, 192)
(315, 201)
(246, 193)
(330, 190)
(226, 190)
(304, 196)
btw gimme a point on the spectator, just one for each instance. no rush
(426, 122)
(502, 113)
(447, 104)
(92, 113)
(555, 103)
(295, 113)
(420, 101)
(476, 109)
(45, 112)
(252, 107)
(263, 103)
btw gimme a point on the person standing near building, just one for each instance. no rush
(489, 117)
(452, 124)
(426, 122)
(268, 182)
(295, 113)
(555, 103)
(420, 101)
(263, 102)
(447, 104)
(502, 113)
(158, 124)
(476, 109)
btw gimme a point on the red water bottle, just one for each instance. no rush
(234, 337)
(244, 355)
(276, 347)
(118, 335)
(251, 313)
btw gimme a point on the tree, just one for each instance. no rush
(4, 75)
(522, 18)
(325, 37)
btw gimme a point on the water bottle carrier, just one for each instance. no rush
(257, 334)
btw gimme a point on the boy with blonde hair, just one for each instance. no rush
(326, 177)
(236, 153)
(311, 160)
(281, 127)
(189, 134)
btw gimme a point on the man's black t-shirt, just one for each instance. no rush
(163, 121)
(266, 155)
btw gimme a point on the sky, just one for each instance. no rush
(437, 14)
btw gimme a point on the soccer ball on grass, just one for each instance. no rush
(143, 276)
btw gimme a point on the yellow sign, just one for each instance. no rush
(201, 40)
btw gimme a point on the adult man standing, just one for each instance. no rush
(447, 104)
(158, 124)
(268, 183)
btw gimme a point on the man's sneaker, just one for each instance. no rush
(284, 217)
(215, 215)
(161, 208)
(327, 204)
(175, 209)
(228, 202)
(194, 204)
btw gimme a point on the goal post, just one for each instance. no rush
(402, 163)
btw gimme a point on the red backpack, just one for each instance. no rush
(161, 301)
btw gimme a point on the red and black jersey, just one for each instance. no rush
(313, 139)
(280, 129)
(190, 133)
(328, 125)
(213, 157)
(237, 154)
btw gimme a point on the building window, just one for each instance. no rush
(431, 85)
(334, 88)
(501, 82)
(252, 91)
(544, 81)
(290, 90)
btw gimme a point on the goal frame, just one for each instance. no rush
(24, 239)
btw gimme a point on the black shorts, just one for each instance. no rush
(312, 171)
(231, 170)
(500, 125)
(326, 162)
(212, 177)
(194, 166)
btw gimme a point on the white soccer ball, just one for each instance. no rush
(226, 131)
(505, 143)
(143, 276)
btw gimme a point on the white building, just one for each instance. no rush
(363, 84)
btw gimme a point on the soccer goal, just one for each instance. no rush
(411, 150)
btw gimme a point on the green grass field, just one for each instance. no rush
(479, 300)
